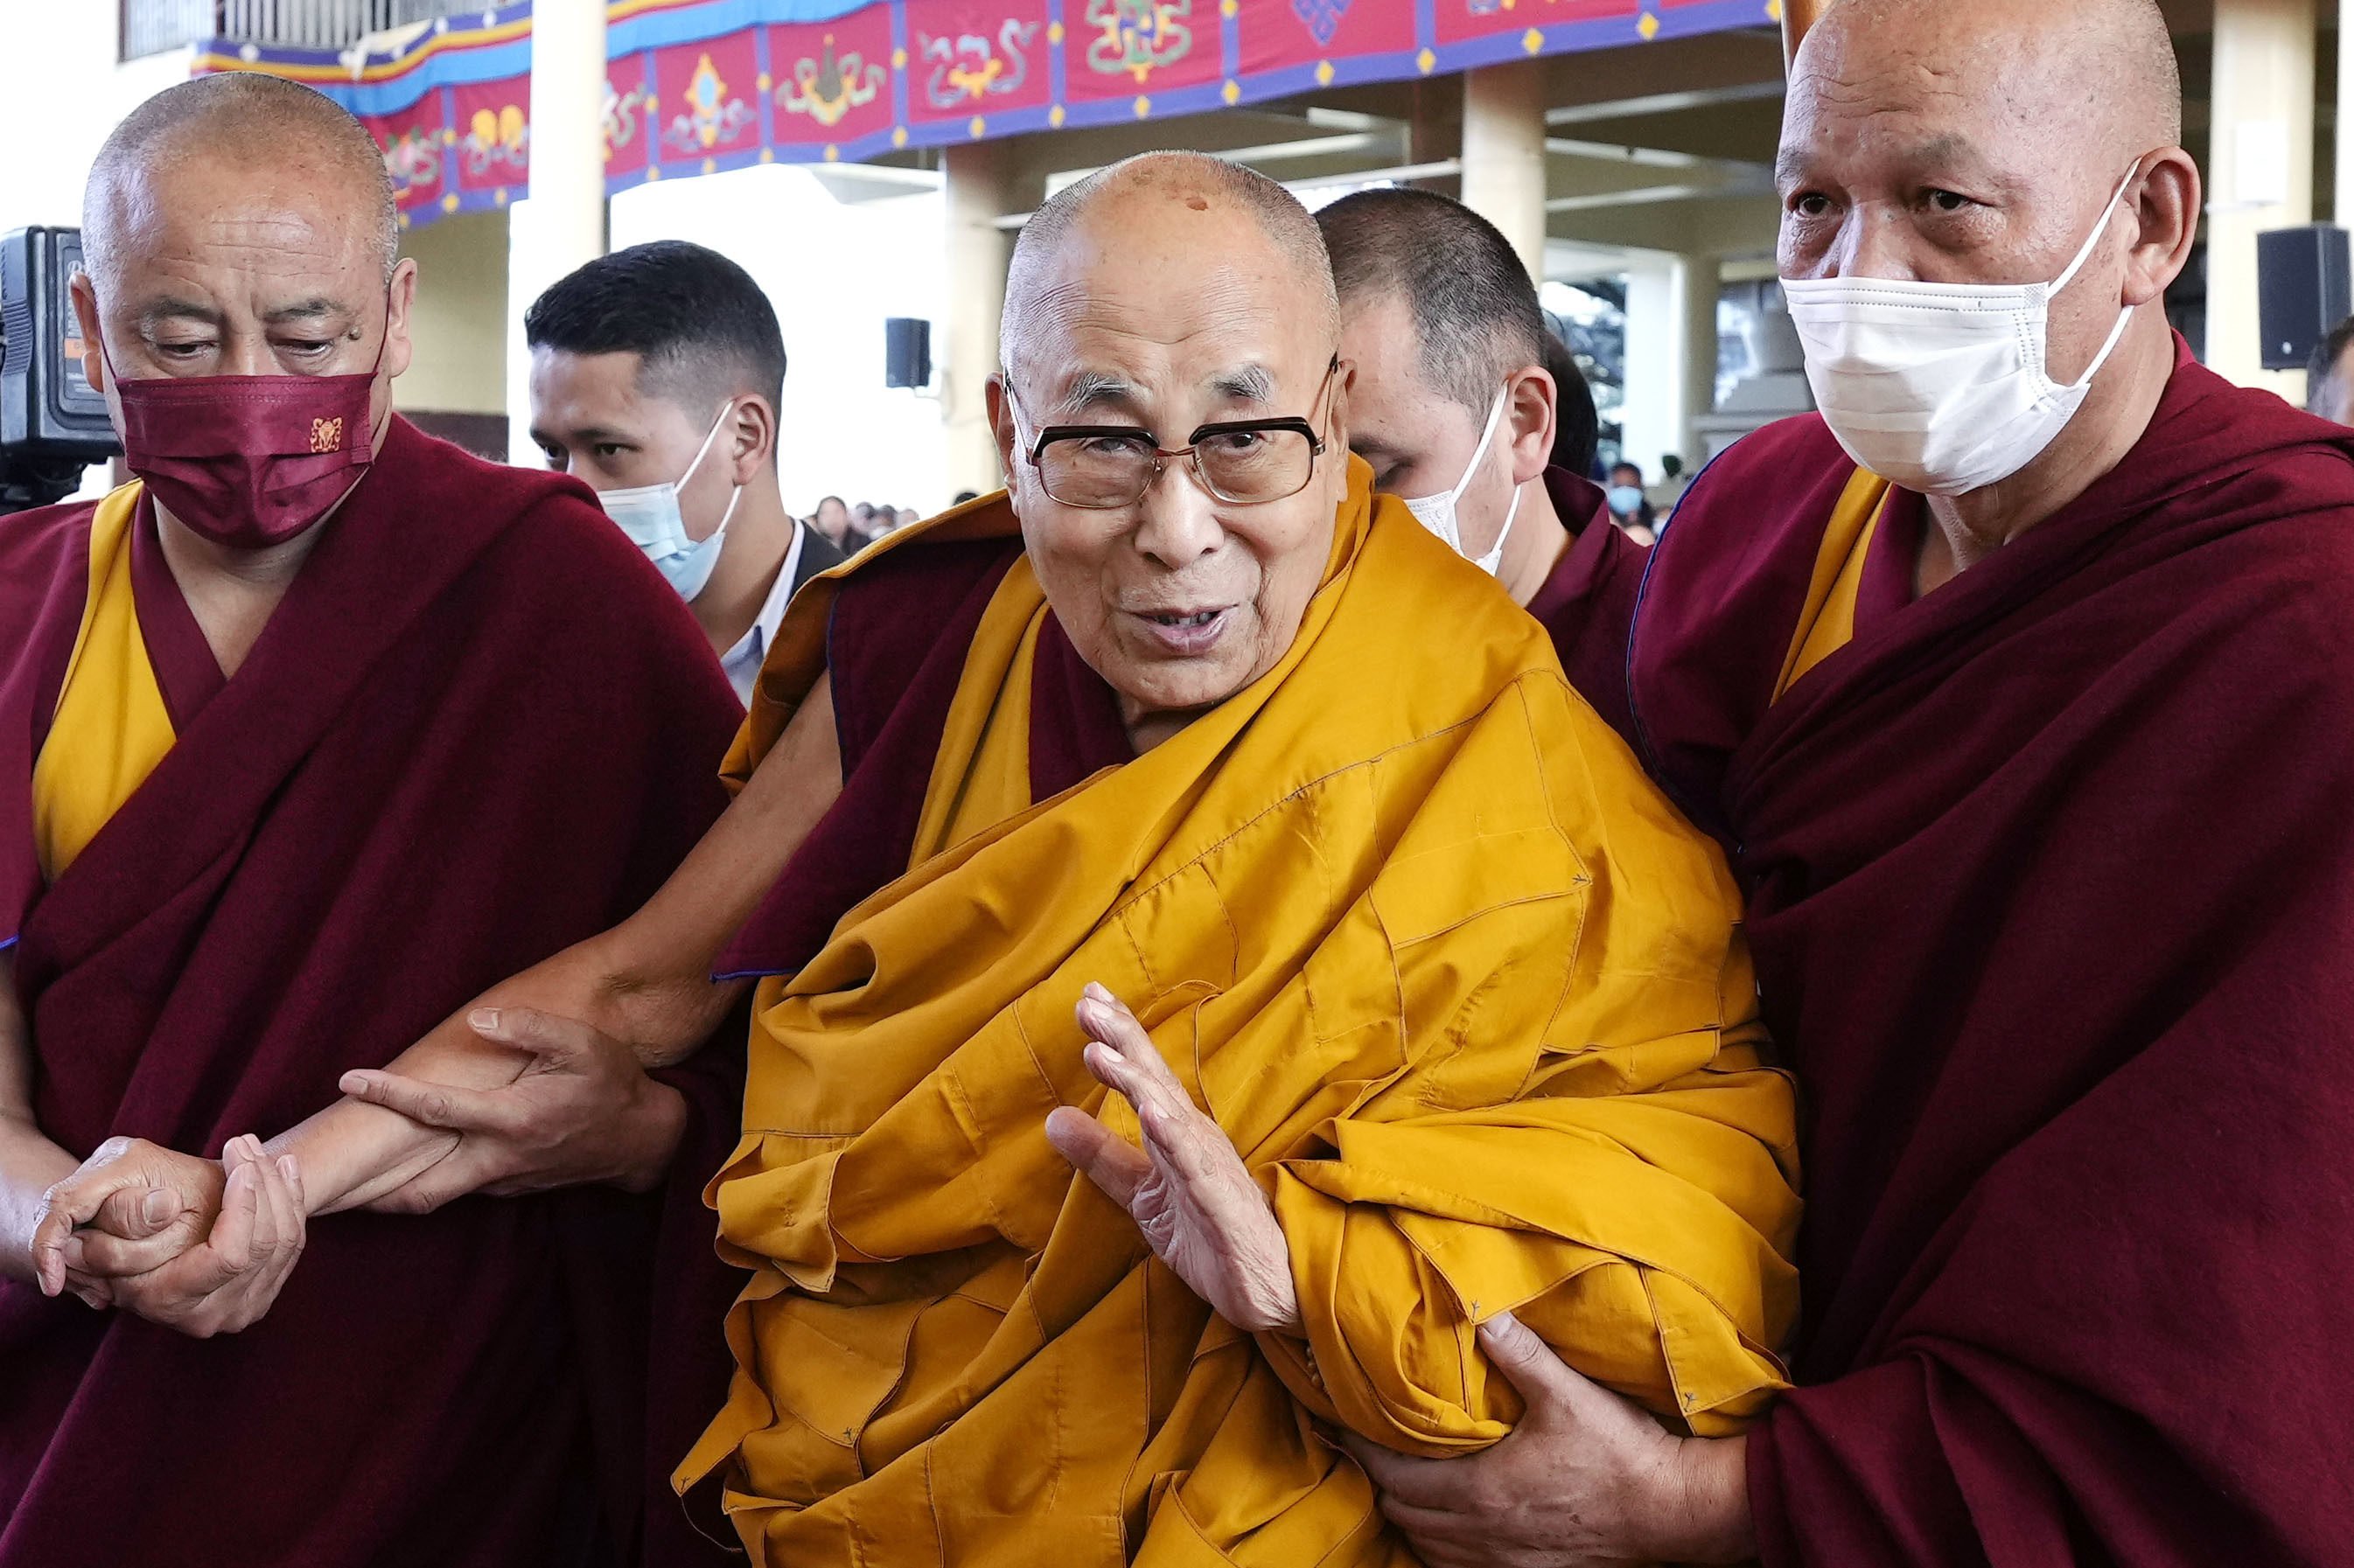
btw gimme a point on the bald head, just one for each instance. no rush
(1209, 209)
(2079, 73)
(1992, 137)
(238, 124)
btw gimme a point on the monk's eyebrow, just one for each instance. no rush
(310, 310)
(1093, 391)
(1250, 384)
(175, 310)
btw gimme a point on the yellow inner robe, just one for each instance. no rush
(111, 727)
(1409, 921)
(1827, 623)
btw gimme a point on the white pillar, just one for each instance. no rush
(2260, 169)
(979, 193)
(2342, 212)
(563, 224)
(1653, 420)
(1697, 284)
(1504, 155)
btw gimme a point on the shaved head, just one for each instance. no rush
(2079, 71)
(1189, 198)
(242, 120)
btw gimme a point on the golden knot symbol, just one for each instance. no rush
(327, 435)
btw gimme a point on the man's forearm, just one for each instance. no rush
(30, 1164)
(351, 1153)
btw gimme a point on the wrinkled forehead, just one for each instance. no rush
(1924, 91)
(1115, 327)
(196, 218)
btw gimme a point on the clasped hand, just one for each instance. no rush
(199, 1246)
(581, 1111)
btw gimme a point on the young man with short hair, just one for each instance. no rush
(656, 375)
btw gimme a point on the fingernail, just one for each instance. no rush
(157, 1206)
(286, 1166)
(483, 1019)
(352, 1082)
(1094, 990)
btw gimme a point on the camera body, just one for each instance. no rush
(53, 422)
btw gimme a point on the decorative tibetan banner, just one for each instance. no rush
(697, 86)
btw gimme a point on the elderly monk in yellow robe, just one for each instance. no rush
(1440, 1011)
(1419, 963)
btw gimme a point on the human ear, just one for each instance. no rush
(401, 298)
(84, 295)
(1000, 425)
(2166, 208)
(1530, 405)
(753, 440)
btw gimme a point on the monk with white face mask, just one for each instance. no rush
(2016, 680)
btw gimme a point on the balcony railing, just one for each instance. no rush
(152, 26)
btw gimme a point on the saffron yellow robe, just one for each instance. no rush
(110, 727)
(1409, 921)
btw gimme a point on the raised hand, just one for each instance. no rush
(582, 1110)
(1187, 1189)
(224, 1282)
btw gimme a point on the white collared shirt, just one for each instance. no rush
(743, 661)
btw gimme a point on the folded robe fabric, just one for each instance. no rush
(477, 729)
(1459, 985)
(2052, 889)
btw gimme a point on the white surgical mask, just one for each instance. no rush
(1436, 513)
(1941, 388)
(649, 515)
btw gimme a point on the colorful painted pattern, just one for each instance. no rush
(698, 86)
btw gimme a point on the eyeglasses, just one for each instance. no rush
(1240, 462)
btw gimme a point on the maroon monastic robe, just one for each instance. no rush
(478, 729)
(2051, 888)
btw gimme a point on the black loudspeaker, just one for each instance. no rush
(906, 352)
(2302, 291)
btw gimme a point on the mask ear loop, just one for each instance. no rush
(1486, 434)
(704, 450)
(2124, 314)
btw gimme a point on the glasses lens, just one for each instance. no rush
(1096, 471)
(1256, 465)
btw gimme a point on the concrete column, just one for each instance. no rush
(980, 192)
(1798, 16)
(1504, 155)
(563, 223)
(1697, 282)
(2342, 212)
(2259, 170)
(1652, 421)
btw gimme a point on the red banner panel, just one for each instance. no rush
(1277, 36)
(832, 80)
(968, 57)
(493, 145)
(1460, 20)
(630, 117)
(413, 151)
(1133, 49)
(707, 99)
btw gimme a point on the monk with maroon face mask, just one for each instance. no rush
(306, 737)
(2017, 683)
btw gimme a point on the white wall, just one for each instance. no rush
(60, 93)
(834, 269)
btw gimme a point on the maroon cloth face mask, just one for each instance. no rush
(248, 462)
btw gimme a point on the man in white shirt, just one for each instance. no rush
(656, 375)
